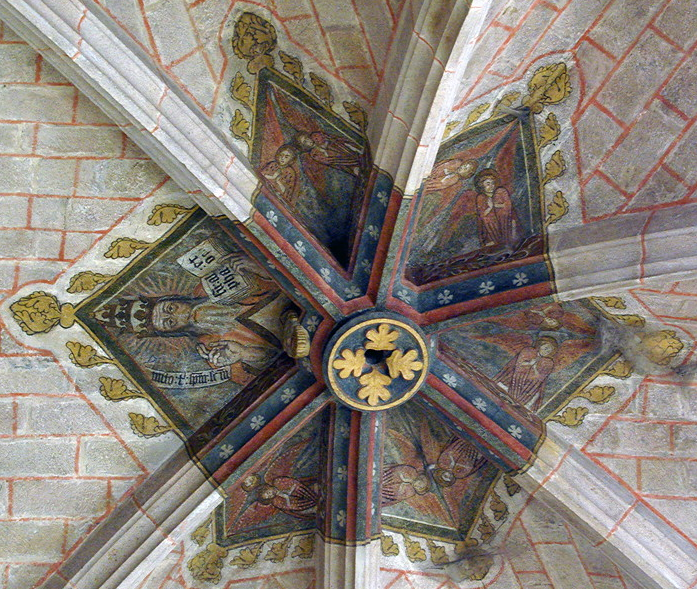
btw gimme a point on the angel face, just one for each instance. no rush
(547, 348)
(285, 156)
(251, 482)
(467, 169)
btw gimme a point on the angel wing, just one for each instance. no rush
(511, 342)
(570, 351)
(283, 463)
(409, 454)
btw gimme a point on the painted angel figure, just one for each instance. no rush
(457, 460)
(402, 481)
(333, 151)
(496, 217)
(550, 317)
(281, 175)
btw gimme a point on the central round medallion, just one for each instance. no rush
(376, 361)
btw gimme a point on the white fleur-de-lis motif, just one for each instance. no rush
(520, 279)
(344, 431)
(445, 297)
(404, 295)
(373, 231)
(486, 287)
(257, 422)
(352, 291)
(272, 218)
(342, 472)
(516, 431)
(326, 274)
(226, 450)
(449, 379)
(287, 394)
(312, 323)
(382, 197)
(480, 404)
(300, 247)
(341, 518)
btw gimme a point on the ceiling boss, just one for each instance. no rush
(376, 361)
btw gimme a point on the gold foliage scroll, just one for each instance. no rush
(85, 356)
(511, 486)
(304, 548)
(241, 91)
(239, 127)
(475, 114)
(147, 427)
(598, 394)
(415, 552)
(506, 101)
(620, 369)
(114, 389)
(550, 130)
(630, 320)
(247, 557)
(207, 564)
(571, 416)
(125, 247)
(612, 302)
(322, 89)
(549, 84)
(486, 529)
(356, 114)
(450, 127)
(660, 346)
(498, 507)
(438, 555)
(388, 546)
(40, 312)
(200, 534)
(86, 281)
(293, 67)
(254, 39)
(167, 213)
(557, 208)
(278, 551)
(555, 167)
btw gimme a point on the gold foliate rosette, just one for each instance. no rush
(40, 312)
(254, 39)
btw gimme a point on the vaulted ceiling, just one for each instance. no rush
(380, 294)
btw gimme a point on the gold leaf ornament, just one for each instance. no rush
(511, 486)
(382, 338)
(438, 555)
(322, 89)
(304, 548)
(555, 167)
(612, 302)
(450, 127)
(167, 213)
(415, 552)
(278, 551)
(660, 346)
(476, 113)
(620, 369)
(373, 389)
(200, 534)
(388, 546)
(125, 247)
(550, 130)
(598, 394)
(254, 39)
(208, 564)
(557, 208)
(247, 557)
(404, 364)
(506, 101)
(549, 84)
(114, 389)
(40, 312)
(498, 507)
(486, 529)
(241, 91)
(239, 127)
(85, 356)
(147, 427)
(571, 416)
(87, 281)
(350, 363)
(293, 67)
(356, 114)
(630, 320)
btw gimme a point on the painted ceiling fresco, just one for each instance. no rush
(352, 365)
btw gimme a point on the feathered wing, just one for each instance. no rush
(511, 342)
(570, 351)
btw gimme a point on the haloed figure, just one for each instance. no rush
(496, 219)
(525, 376)
(287, 494)
(281, 174)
